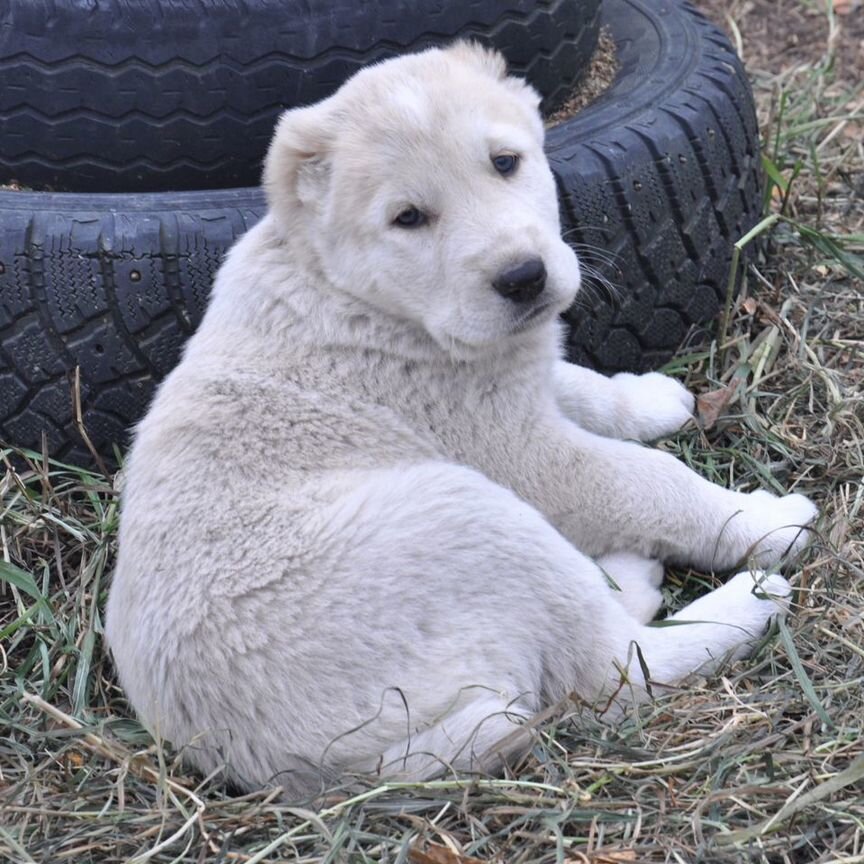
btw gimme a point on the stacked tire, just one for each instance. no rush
(139, 129)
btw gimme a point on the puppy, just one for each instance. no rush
(360, 516)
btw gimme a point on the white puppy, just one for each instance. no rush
(358, 517)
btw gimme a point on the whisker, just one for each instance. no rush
(598, 253)
(596, 285)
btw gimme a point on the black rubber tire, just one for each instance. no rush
(662, 171)
(662, 174)
(148, 95)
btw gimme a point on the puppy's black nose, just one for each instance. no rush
(523, 283)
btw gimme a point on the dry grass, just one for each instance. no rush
(762, 764)
(595, 80)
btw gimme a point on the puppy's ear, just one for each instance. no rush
(486, 60)
(297, 167)
(492, 63)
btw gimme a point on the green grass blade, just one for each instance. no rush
(801, 674)
(25, 582)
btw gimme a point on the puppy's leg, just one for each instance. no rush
(638, 407)
(607, 495)
(518, 619)
(386, 622)
(724, 624)
(489, 732)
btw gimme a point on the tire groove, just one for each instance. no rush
(82, 90)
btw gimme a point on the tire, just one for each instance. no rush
(662, 171)
(662, 175)
(113, 285)
(149, 95)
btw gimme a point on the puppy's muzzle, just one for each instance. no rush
(522, 283)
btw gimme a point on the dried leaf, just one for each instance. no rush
(709, 406)
(435, 854)
(74, 760)
(750, 306)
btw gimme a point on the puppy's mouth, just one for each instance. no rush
(533, 316)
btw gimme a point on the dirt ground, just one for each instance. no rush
(774, 35)
(784, 44)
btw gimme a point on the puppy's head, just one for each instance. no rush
(422, 188)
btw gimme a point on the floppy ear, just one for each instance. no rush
(297, 167)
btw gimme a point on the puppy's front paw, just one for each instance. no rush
(774, 528)
(651, 405)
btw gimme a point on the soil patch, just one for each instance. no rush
(779, 34)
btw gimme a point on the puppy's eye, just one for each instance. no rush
(506, 163)
(411, 217)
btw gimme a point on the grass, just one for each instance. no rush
(763, 763)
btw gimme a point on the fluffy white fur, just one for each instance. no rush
(359, 518)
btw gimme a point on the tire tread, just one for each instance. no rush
(196, 109)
